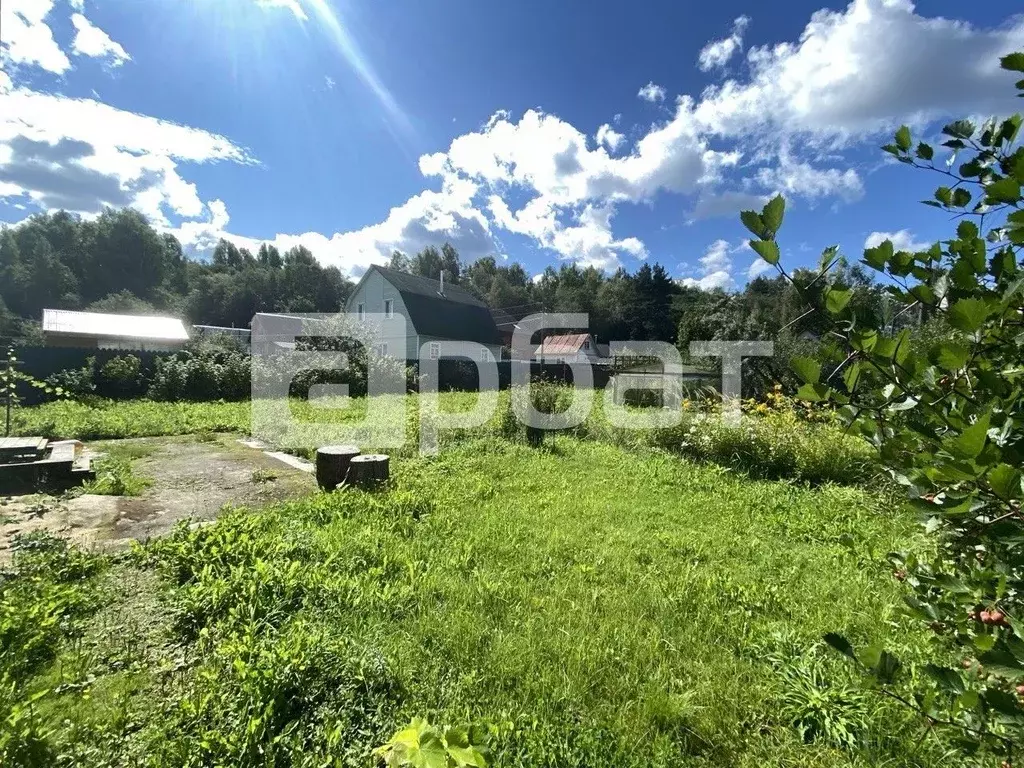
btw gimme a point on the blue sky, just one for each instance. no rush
(542, 132)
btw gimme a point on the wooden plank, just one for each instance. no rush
(14, 443)
(21, 448)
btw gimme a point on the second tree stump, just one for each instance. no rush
(369, 471)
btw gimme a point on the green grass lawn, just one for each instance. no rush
(595, 605)
(766, 445)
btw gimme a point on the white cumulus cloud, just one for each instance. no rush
(26, 38)
(609, 137)
(864, 69)
(715, 268)
(82, 155)
(902, 240)
(92, 41)
(717, 53)
(652, 93)
(758, 267)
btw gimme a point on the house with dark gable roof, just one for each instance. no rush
(433, 311)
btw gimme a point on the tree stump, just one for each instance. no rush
(369, 471)
(332, 462)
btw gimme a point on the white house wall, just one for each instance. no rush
(372, 293)
(399, 333)
(468, 349)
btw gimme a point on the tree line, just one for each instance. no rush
(118, 262)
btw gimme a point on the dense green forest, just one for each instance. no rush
(119, 263)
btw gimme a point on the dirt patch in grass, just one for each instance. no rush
(191, 479)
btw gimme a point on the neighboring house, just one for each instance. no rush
(507, 319)
(505, 322)
(571, 348)
(95, 330)
(272, 332)
(433, 312)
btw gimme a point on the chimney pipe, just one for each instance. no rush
(442, 283)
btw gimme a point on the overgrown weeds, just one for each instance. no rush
(115, 477)
(596, 605)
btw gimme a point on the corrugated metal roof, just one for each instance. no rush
(114, 326)
(567, 344)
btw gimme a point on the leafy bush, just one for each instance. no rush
(946, 418)
(79, 383)
(205, 377)
(115, 477)
(120, 377)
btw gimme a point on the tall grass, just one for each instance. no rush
(778, 442)
(597, 606)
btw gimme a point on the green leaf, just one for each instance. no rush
(852, 375)
(959, 129)
(923, 293)
(887, 667)
(773, 213)
(961, 197)
(967, 230)
(752, 221)
(948, 679)
(1009, 129)
(970, 442)
(877, 257)
(808, 369)
(864, 339)
(841, 644)
(944, 195)
(433, 751)
(950, 355)
(903, 138)
(925, 151)
(1013, 62)
(1001, 702)
(1003, 191)
(814, 393)
(1005, 482)
(836, 300)
(968, 314)
(1003, 663)
(767, 250)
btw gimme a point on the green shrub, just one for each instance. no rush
(944, 411)
(121, 377)
(115, 477)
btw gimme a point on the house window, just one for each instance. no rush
(389, 308)
(435, 350)
(360, 312)
(382, 350)
(586, 344)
